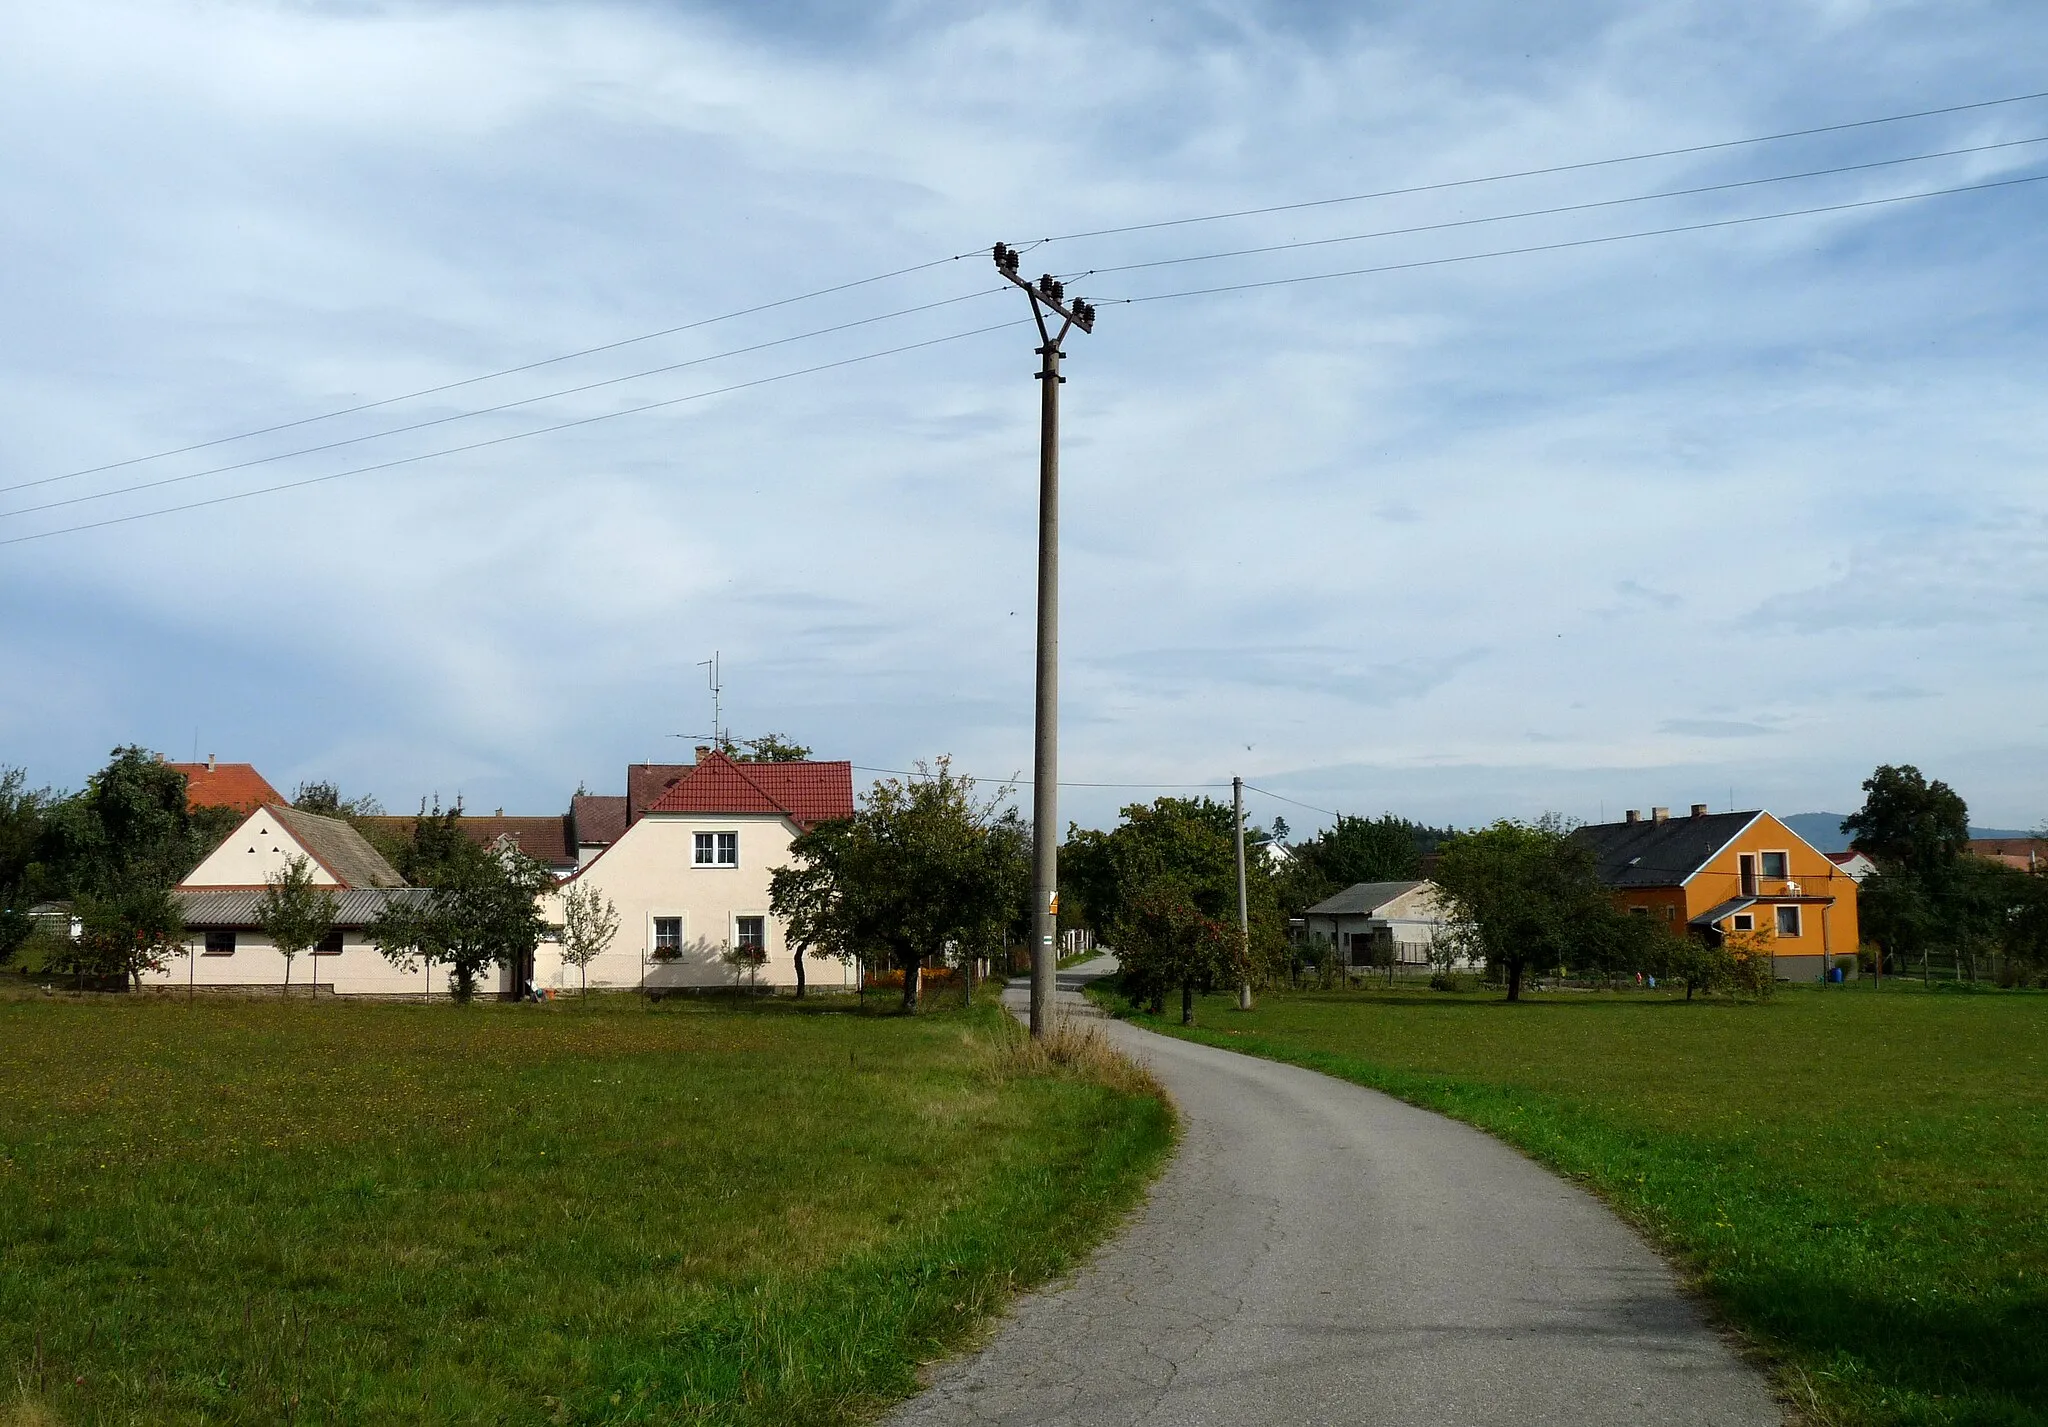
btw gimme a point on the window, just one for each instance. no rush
(1774, 865)
(220, 943)
(1788, 921)
(1744, 922)
(1639, 911)
(717, 849)
(751, 933)
(668, 938)
(329, 945)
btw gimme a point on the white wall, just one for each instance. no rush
(356, 970)
(651, 872)
(256, 852)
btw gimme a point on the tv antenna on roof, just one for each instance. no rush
(718, 730)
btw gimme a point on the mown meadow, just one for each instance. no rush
(248, 1211)
(1855, 1179)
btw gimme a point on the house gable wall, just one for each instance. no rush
(254, 853)
(1833, 929)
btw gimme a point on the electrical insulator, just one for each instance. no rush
(1059, 291)
(1002, 255)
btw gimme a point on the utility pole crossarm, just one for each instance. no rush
(1047, 290)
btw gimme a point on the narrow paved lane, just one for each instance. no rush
(1318, 1253)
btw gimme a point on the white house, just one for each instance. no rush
(689, 873)
(1405, 918)
(226, 948)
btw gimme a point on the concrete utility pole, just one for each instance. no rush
(1047, 296)
(1244, 914)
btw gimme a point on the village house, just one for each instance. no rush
(686, 858)
(1380, 924)
(226, 948)
(1717, 875)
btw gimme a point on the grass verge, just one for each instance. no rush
(1855, 1179)
(245, 1211)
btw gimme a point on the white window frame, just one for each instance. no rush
(1743, 922)
(733, 931)
(1798, 922)
(1784, 863)
(711, 841)
(654, 921)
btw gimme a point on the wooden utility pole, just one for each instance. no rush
(1047, 296)
(1244, 915)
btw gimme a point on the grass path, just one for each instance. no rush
(1859, 1181)
(256, 1212)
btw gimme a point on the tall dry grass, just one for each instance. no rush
(1074, 1049)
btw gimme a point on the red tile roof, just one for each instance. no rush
(226, 785)
(598, 819)
(805, 793)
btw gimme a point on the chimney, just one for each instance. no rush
(1633, 815)
(1660, 815)
(1699, 810)
(209, 762)
(703, 752)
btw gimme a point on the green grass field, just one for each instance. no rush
(246, 1211)
(1859, 1181)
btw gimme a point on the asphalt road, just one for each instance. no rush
(1318, 1253)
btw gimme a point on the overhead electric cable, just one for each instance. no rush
(1326, 812)
(1579, 242)
(1018, 778)
(1550, 169)
(486, 410)
(501, 372)
(1547, 212)
(514, 436)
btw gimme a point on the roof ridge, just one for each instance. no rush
(733, 763)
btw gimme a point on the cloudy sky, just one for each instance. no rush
(1732, 513)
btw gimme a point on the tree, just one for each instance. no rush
(1909, 823)
(1354, 850)
(296, 913)
(22, 813)
(128, 828)
(1164, 941)
(768, 748)
(589, 922)
(481, 909)
(125, 933)
(923, 868)
(325, 799)
(1523, 895)
(743, 960)
(1178, 844)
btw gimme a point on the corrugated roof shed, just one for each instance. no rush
(355, 906)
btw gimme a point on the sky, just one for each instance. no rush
(1729, 516)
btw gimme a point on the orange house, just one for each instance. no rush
(1720, 874)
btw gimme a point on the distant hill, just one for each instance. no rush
(1824, 830)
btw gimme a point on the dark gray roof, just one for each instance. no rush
(1725, 909)
(1658, 854)
(237, 907)
(599, 819)
(1361, 899)
(338, 847)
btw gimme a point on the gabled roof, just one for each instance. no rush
(1361, 899)
(646, 782)
(805, 793)
(226, 785)
(338, 847)
(544, 839)
(597, 820)
(1659, 854)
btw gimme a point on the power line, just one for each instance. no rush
(1550, 212)
(501, 440)
(1583, 242)
(481, 411)
(1326, 812)
(1016, 779)
(501, 372)
(1551, 169)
